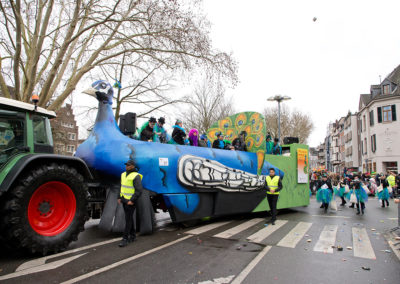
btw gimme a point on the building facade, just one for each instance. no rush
(65, 131)
(351, 158)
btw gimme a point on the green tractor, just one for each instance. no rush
(43, 196)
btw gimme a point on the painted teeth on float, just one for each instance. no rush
(192, 182)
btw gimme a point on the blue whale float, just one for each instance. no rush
(190, 182)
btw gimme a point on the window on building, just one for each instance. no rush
(364, 124)
(365, 145)
(386, 89)
(71, 136)
(70, 148)
(371, 118)
(387, 113)
(373, 143)
(374, 167)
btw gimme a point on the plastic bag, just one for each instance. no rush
(346, 189)
(353, 198)
(333, 204)
(366, 189)
(324, 186)
(390, 189)
(380, 188)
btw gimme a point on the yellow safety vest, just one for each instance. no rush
(272, 183)
(391, 180)
(127, 188)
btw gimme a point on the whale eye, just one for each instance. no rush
(103, 85)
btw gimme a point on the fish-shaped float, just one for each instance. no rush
(192, 182)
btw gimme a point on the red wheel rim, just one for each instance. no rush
(52, 208)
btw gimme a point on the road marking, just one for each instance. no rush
(327, 216)
(239, 279)
(221, 280)
(327, 239)
(206, 228)
(42, 260)
(121, 262)
(237, 229)
(266, 231)
(361, 244)
(295, 235)
(40, 268)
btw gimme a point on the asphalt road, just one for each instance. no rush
(238, 249)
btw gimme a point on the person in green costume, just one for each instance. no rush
(269, 145)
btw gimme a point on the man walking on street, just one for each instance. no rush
(131, 189)
(273, 185)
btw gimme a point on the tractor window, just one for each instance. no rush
(12, 134)
(41, 131)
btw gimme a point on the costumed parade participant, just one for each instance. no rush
(194, 137)
(219, 143)
(325, 192)
(373, 187)
(160, 135)
(178, 134)
(361, 195)
(130, 191)
(146, 132)
(239, 142)
(269, 144)
(341, 191)
(383, 191)
(204, 142)
(273, 185)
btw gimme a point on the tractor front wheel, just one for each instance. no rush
(46, 210)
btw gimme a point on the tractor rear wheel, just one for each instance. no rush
(46, 210)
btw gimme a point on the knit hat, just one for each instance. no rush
(152, 119)
(161, 120)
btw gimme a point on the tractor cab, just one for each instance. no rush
(23, 128)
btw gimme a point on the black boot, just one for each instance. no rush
(387, 203)
(362, 208)
(352, 205)
(123, 243)
(358, 209)
(383, 204)
(322, 205)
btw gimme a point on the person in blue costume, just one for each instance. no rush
(269, 144)
(276, 148)
(340, 191)
(178, 133)
(219, 143)
(204, 142)
(325, 192)
(160, 135)
(384, 194)
(361, 195)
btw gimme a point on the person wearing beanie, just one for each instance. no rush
(239, 143)
(204, 142)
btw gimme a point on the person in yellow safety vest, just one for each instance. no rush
(392, 182)
(273, 186)
(130, 191)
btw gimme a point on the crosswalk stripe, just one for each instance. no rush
(206, 228)
(239, 228)
(327, 239)
(295, 235)
(362, 246)
(265, 232)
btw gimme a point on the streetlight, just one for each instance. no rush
(279, 99)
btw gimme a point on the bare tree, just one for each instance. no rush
(48, 46)
(293, 123)
(207, 105)
(142, 84)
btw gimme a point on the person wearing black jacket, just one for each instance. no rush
(239, 142)
(219, 142)
(130, 191)
(178, 134)
(147, 132)
(273, 186)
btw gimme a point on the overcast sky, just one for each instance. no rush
(323, 66)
